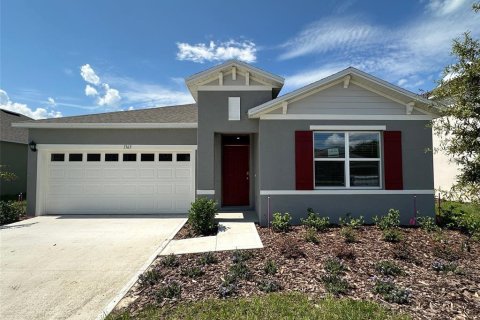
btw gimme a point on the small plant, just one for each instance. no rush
(348, 234)
(227, 290)
(270, 267)
(207, 258)
(391, 293)
(428, 224)
(311, 236)
(345, 252)
(150, 278)
(291, 250)
(169, 291)
(241, 256)
(170, 261)
(389, 221)
(315, 221)
(334, 284)
(392, 235)
(201, 216)
(351, 222)
(240, 271)
(388, 268)
(442, 266)
(281, 222)
(334, 266)
(269, 286)
(192, 272)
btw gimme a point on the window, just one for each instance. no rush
(111, 157)
(234, 108)
(147, 157)
(57, 157)
(347, 159)
(129, 157)
(75, 157)
(93, 157)
(183, 157)
(165, 157)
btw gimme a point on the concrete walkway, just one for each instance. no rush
(236, 231)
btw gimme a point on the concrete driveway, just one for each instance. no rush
(75, 267)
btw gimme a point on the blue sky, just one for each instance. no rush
(63, 58)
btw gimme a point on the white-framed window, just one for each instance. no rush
(233, 108)
(347, 159)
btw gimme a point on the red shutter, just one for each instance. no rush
(392, 150)
(304, 160)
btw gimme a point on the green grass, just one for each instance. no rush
(271, 306)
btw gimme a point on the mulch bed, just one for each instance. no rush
(435, 295)
(187, 232)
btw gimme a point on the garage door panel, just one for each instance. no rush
(119, 188)
(165, 172)
(93, 189)
(57, 173)
(147, 173)
(146, 189)
(61, 189)
(183, 173)
(91, 173)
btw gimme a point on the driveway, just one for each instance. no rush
(75, 267)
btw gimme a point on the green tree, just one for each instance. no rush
(6, 175)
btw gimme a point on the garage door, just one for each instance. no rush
(118, 181)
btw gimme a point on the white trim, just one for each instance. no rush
(220, 78)
(346, 81)
(247, 78)
(348, 128)
(343, 192)
(409, 107)
(343, 117)
(234, 88)
(366, 87)
(234, 73)
(125, 148)
(65, 125)
(205, 192)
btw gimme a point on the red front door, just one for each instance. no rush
(235, 175)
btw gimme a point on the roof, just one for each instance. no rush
(375, 84)
(181, 116)
(9, 133)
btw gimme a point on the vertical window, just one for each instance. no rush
(234, 108)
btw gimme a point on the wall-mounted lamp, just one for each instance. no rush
(33, 146)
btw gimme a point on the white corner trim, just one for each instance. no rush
(343, 192)
(126, 147)
(234, 88)
(205, 192)
(64, 125)
(343, 117)
(349, 128)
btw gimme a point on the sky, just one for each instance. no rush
(65, 58)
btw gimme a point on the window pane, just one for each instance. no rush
(329, 173)
(329, 145)
(111, 156)
(183, 157)
(93, 157)
(147, 157)
(75, 157)
(129, 157)
(57, 157)
(364, 145)
(364, 174)
(165, 157)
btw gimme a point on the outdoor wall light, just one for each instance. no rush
(33, 146)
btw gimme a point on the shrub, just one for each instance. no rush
(226, 290)
(207, 258)
(150, 278)
(281, 222)
(291, 250)
(389, 221)
(240, 271)
(201, 216)
(334, 284)
(388, 268)
(351, 222)
(348, 234)
(192, 272)
(169, 291)
(311, 236)
(391, 293)
(428, 224)
(241, 256)
(11, 211)
(269, 286)
(345, 252)
(442, 266)
(392, 235)
(170, 261)
(270, 267)
(334, 266)
(315, 221)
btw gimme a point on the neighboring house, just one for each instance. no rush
(13, 154)
(349, 143)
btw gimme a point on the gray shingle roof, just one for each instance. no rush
(171, 114)
(7, 132)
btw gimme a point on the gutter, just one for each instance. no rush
(64, 125)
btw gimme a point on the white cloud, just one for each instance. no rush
(402, 81)
(201, 52)
(303, 78)
(89, 75)
(110, 98)
(51, 102)
(444, 7)
(90, 91)
(38, 113)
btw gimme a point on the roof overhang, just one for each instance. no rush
(52, 125)
(355, 76)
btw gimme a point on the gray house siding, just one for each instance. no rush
(277, 168)
(100, 137)
(14, 157)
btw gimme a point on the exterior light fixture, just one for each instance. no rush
(33, 146)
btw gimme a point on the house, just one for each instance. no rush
(349, 143)
(13, 154)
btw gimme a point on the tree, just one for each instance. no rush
(6, 175)
(458, 98)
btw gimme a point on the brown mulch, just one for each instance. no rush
(452, 295)
(187, 232)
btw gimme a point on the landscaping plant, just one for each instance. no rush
(315, 221)
(201, 216)
(192, 272)
(334, 266)
(392, 235)
(391, 293)
(207, 258)
(170, 291)
(170, 261)
(428, 224)
(351, 222)
(241, 256)
(388, 268)
(348, 233)
(334, 284)
(150, 278)
(311, 236)
(389, 221)
(269, 286)
(11, 211)
(270, 267)
(281, 222)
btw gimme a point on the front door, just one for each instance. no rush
(235, 167)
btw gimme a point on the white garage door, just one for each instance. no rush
(117, 181)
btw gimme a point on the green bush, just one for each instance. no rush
(150, 278)
(170, 261)
(392, 235)
(311, 236)
(388, 268)
(11, 211)
(269, 286)
(240, 271)
(334, 266)
(192, 272)
(172, 290)
(463, 216)
(391, 293)
(241, 255)
(348, 233)
(389, 221)
(207, 258)
(201, 216)
(351, 222)
(281, 222)
(334, 284)
(270, 267)
(314, 220)
(428, 224)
